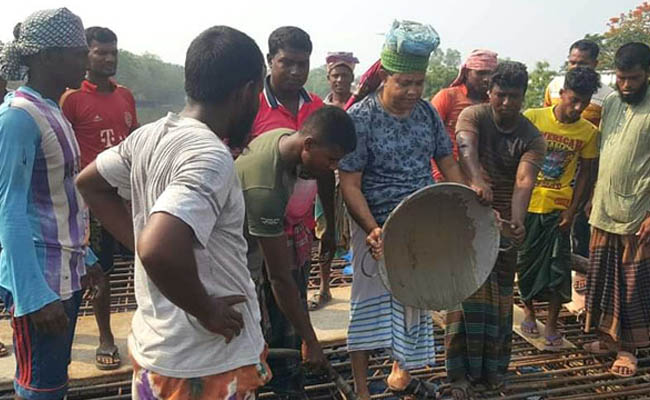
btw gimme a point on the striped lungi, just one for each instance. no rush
(618, 288)
(379, 321)
(478, 336)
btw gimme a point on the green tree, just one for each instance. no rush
(538, 79)
(633, 26)
(158, 87)
(317, 81)
(442, 70)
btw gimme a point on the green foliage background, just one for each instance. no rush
(317, 81)
(158, 85)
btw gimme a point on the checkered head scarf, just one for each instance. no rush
(41, 30)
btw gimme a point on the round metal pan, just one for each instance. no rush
(440, 245)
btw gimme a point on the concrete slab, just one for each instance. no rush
(331, 321)
(440, 318)
(83, 350)
(331, 325)
(539, 342)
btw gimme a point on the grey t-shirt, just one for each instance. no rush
(179, 166)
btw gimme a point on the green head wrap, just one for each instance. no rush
(393, 61)
(408, 46)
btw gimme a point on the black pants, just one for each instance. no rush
(580, 235)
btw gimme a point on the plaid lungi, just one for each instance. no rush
(618, 288)
(478, 336)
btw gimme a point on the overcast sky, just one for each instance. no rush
(524, 30)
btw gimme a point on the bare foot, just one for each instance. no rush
(529, 327)
(625, 365)
(551, 331)
(398, 378)
(461, 390)
(580, 283)
(529, 324)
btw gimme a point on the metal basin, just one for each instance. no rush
(440, 245)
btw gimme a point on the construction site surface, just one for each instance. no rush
(570, 374)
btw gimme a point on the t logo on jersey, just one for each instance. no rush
(108, 137)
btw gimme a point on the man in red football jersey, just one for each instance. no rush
(102, 114)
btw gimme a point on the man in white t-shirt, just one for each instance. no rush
(196, 333)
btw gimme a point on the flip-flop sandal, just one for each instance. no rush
(487, 386)
(496, 386)
(318, 300)
(112, 353)
(422, 390)
(460, 390)
(529, 328)
(3, 350)
(554, 342)
(624, 360)
(594, 348)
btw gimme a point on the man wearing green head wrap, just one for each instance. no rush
(395, 62)
(398, 134)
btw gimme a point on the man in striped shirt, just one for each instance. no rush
(41, 212)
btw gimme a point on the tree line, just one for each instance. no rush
(632, 26)
(158, 86)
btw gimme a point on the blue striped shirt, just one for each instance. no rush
(41, 212)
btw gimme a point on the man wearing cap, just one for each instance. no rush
(340, 74)
(42, 228)
(469, 88)
(397, 136)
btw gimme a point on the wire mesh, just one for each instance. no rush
(570, 375)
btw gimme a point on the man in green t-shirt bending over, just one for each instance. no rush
(268, 170)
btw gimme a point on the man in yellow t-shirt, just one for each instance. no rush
(544, 258)
(582, 53)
